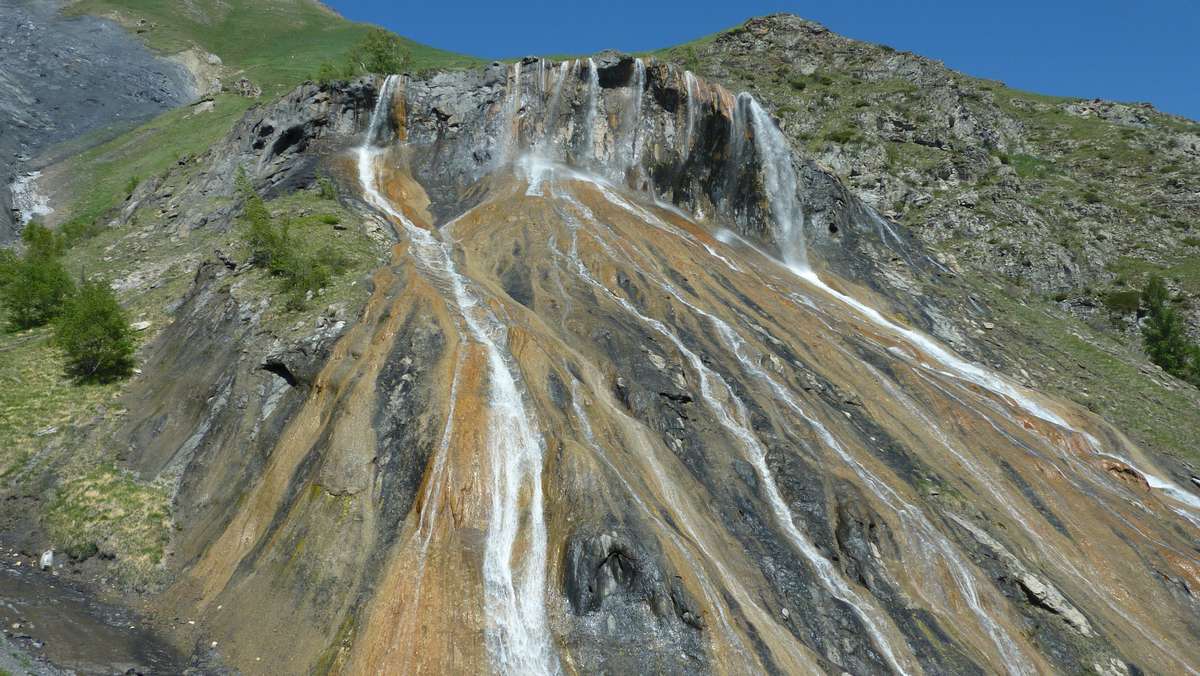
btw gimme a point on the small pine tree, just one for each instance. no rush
(95, 334)
(41, 241)
(1165, 334)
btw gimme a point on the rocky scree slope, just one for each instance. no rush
(62, 78)
(617, 400)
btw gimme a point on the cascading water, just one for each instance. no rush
(779, 178)
(607, 152)
(510, 135)
(589, 120)
(632, 145)
(692, 91)
(517, 636)
(731, 414)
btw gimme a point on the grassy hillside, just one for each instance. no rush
(276, 43)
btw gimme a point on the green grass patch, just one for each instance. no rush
(277, 43)
(1030, 166)
(37, 399)
(108, 510)
(310, 232)
(1184, 270)
(99, 178)
(1159, 419)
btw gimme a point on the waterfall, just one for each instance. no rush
(517, 636)
(690, 81)
(779, 181)
(590, 118)
(510, 135)
(633, 144)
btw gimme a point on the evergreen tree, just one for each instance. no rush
(380, 51)
(1165, 334)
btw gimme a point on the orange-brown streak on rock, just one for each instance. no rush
(366, 342)
(689, 264)
(426, 616)
(1019, 424)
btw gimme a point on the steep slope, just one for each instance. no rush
(1055, 192)
(619, 381)
(611, 407)
(1033, 200)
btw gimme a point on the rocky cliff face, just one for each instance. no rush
(63, 78)
(638, 389)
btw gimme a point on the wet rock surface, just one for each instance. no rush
(65, 77)
(59, 628)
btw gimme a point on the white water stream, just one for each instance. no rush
(26, 200)
(517, 636)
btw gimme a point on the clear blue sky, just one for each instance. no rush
(1127, 50)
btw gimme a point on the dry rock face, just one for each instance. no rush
(641, 389)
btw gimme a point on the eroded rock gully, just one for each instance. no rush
(635, 393)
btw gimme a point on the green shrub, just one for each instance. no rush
(1122, 302)
(1092, 197)
(325, 189)
(843, 135)
(41, 241)
(300, 272)
(80, 228)
(34, 286)
(131, 185)
(330, 219)
(95, 334)
(380, 51)
(327, 72)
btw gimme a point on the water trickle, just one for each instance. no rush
(510, 134)
(633, 145)
(517, 637)
(731, 414)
